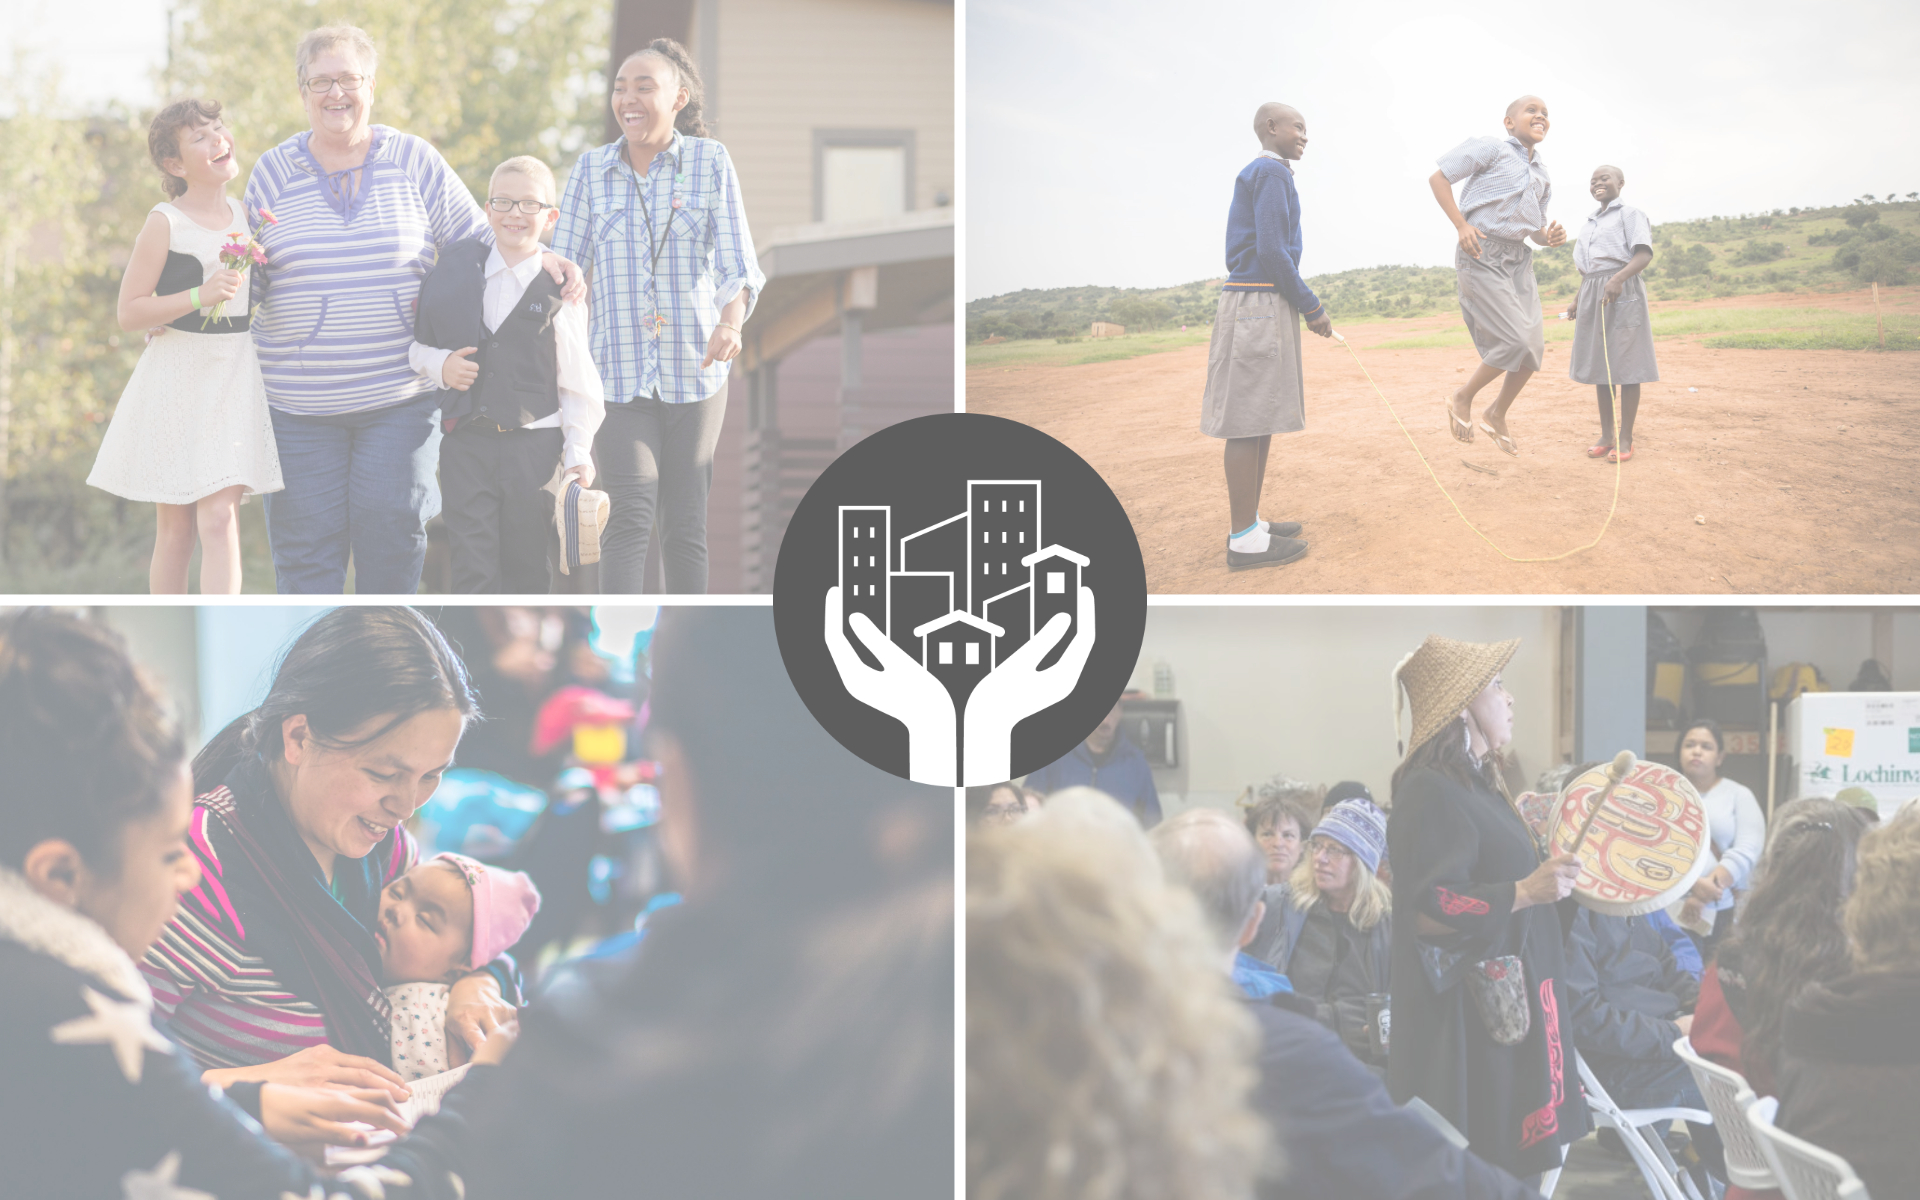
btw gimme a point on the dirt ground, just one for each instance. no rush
(1804, 464)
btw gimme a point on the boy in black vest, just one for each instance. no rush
(521, 397)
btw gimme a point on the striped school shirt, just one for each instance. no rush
(651, 320)
(335, 299)
(1507, 193)
(209, 993)
(1608, 241)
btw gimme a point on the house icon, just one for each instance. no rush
(957, 650)
(1053, 586)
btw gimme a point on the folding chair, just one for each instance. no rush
(1805, 1171)
(1640, 1131)
(1728, 1096)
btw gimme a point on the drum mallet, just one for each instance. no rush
(1616, 771)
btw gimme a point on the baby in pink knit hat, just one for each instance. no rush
(446, 917)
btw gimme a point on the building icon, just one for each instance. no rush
(962, 594)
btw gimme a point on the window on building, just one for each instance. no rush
(973, 654)
(863, 183)
(1056, 582)
(946, 653)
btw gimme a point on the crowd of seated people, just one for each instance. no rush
(1805, 977)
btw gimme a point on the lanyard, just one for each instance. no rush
(654, 245)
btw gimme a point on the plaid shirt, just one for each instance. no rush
(650, 327)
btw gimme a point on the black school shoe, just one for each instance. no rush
(1279, 550)
(1284, 529)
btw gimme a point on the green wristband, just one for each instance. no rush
(193, 296)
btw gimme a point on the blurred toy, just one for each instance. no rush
(477, 813)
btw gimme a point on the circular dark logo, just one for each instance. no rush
(960, 599)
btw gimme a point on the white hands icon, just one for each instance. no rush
(902, 689)
(1018, 688)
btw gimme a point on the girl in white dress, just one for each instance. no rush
(191, 432)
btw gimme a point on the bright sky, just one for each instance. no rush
(1103, 138)
(104, 49)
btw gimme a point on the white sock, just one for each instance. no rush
(1251, 540)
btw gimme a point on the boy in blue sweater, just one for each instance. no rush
(1254, 383)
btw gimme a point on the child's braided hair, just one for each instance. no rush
(163, 137)
(688, 119)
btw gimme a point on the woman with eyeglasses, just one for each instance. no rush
(658, 218)
(360, 212)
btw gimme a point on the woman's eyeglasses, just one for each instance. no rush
(324, 83)
(532, 208)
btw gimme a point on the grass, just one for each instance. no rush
(1744, 329)
(1046, 352)
(1395, 292)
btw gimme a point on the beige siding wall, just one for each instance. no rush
(788, 67)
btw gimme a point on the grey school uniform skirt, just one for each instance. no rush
(1254, 382)
(1501, 304)
(1629, 341)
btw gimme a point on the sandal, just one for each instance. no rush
(1503, 440)
(1617, 456)
(1455, 424)
(1599, 449)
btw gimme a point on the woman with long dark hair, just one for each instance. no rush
(1790, 935)
(1477, 1039)
(657, 218)
(1734, 820)
(94, 855)
(269, 970)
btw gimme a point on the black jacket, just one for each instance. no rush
(1343, 1135)
(519, 380)
(1329, 962)
(1850, 1076)
(1457, 853)
(90, 1094)
(1625, 987)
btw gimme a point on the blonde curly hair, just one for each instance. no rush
(1883, 914)
(1108, 1055)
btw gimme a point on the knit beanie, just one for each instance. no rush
(1360, 827)
(1346, 789)
(503, 906)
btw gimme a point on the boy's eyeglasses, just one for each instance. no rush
(532, 208)
(324, 83)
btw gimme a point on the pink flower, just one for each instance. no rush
(267, 216)
(259, 255)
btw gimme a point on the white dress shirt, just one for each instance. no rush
(582, 402)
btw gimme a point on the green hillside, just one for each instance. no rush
(1812, 250)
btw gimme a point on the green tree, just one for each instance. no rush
(1695, 259)
(1139, 312)
(482, 80)
(1857, 217)
(1757, 252)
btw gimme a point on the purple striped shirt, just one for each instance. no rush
(334, 327)
(220, 1002)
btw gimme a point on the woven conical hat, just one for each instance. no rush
(1442, 677)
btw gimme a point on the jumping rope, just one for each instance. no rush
(1613, 398)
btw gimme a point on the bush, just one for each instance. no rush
(1886, 261)
(1862, 215)
(1879, 233)
(1830, 237)
(1760, 252)
(1139, 313)
(1689, 260)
